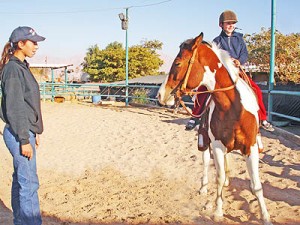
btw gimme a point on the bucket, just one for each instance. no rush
(96, 99)
(59, 99)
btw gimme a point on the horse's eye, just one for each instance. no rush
(177, 63)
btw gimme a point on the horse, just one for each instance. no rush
(233, 122)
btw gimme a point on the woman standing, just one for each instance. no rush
(21, 111)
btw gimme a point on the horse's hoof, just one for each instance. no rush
(268, 223)
(218, 216)
(208, 206)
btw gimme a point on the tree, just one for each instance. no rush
(108, 65)
(287, 56)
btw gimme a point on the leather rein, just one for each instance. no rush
(182, 91)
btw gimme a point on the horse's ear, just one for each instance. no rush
(198, 40)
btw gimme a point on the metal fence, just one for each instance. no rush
(118, 93)
(289, 104)
(106, 91)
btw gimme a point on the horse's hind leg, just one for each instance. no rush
(204, 181)
(255, 184)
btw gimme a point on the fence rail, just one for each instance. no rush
(87, 90)
(118, 91)
(281, 92)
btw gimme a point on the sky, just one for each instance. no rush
(72, 26)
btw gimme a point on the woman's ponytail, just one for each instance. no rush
(8, 51)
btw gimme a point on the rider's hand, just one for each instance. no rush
(236, 62)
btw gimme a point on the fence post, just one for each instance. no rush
(272, 61)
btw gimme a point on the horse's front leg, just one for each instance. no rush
(219, 160)
(204, 181)
(252, 165)
(227, 169)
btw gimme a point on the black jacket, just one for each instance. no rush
(21, 107)
(234, 45)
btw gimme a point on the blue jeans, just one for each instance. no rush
(24, 196)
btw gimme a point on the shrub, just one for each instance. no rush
(140, 96)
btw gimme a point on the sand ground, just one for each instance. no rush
(115, 165)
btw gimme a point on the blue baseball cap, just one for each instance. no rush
(25, 33)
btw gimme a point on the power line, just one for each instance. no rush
(82, 11)
(158, 3)
(62, 12)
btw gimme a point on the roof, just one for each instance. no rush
(52, 66)
(157, 79)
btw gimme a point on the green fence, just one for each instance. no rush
(118, 92)
(146, 93)
(281, 92)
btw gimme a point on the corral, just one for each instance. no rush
(125, 165)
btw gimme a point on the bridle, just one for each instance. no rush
(180, 89)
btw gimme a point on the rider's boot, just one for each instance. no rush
(203, 138)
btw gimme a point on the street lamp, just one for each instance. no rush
(124, 21)
(124, 24)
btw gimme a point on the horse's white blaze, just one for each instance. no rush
(164, 95)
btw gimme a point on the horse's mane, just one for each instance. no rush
(186, 42)
(189, 42)
(207, 43)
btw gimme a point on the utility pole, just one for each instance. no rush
(124, 23)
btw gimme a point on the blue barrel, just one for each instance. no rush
(96, 99)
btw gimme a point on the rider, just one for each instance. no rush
(233, 42)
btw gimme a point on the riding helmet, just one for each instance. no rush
(228, 16)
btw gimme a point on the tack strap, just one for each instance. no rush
(186, 78)
(189, 111)
(183, 92)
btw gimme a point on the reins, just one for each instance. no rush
(189, 112)
(212, 91)
(202, 92)
(190, 93)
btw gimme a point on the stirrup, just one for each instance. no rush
(267, 126)
(193, 122)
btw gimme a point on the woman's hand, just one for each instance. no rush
(27, 151)
(37, 141)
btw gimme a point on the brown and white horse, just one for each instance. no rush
(233, 115)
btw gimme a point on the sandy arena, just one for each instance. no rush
(115, 165)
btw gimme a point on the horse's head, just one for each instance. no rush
(187, 70)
